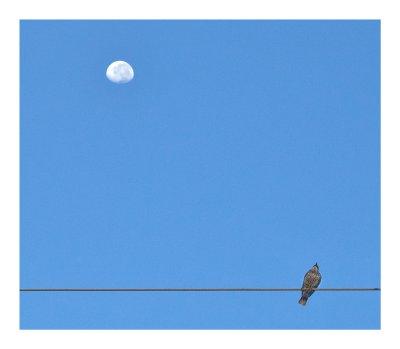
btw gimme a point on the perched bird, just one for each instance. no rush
(311, 281)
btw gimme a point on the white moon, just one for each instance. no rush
(119, 72)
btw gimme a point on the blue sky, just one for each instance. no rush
(241, 153)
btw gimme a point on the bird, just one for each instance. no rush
(311, 281)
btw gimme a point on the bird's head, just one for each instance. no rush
(316, 266)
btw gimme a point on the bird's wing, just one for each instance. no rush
(308, 280)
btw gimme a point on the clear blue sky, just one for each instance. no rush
(239, 155)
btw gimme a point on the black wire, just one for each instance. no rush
(242, 289)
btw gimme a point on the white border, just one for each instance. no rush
(123, 9)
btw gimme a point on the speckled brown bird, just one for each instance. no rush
(311, 281)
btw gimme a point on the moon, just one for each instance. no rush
(119, 72)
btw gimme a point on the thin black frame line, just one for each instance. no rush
(240, 289)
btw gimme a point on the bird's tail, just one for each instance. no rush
(303, 300)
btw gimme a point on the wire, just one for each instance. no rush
(241, 289)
